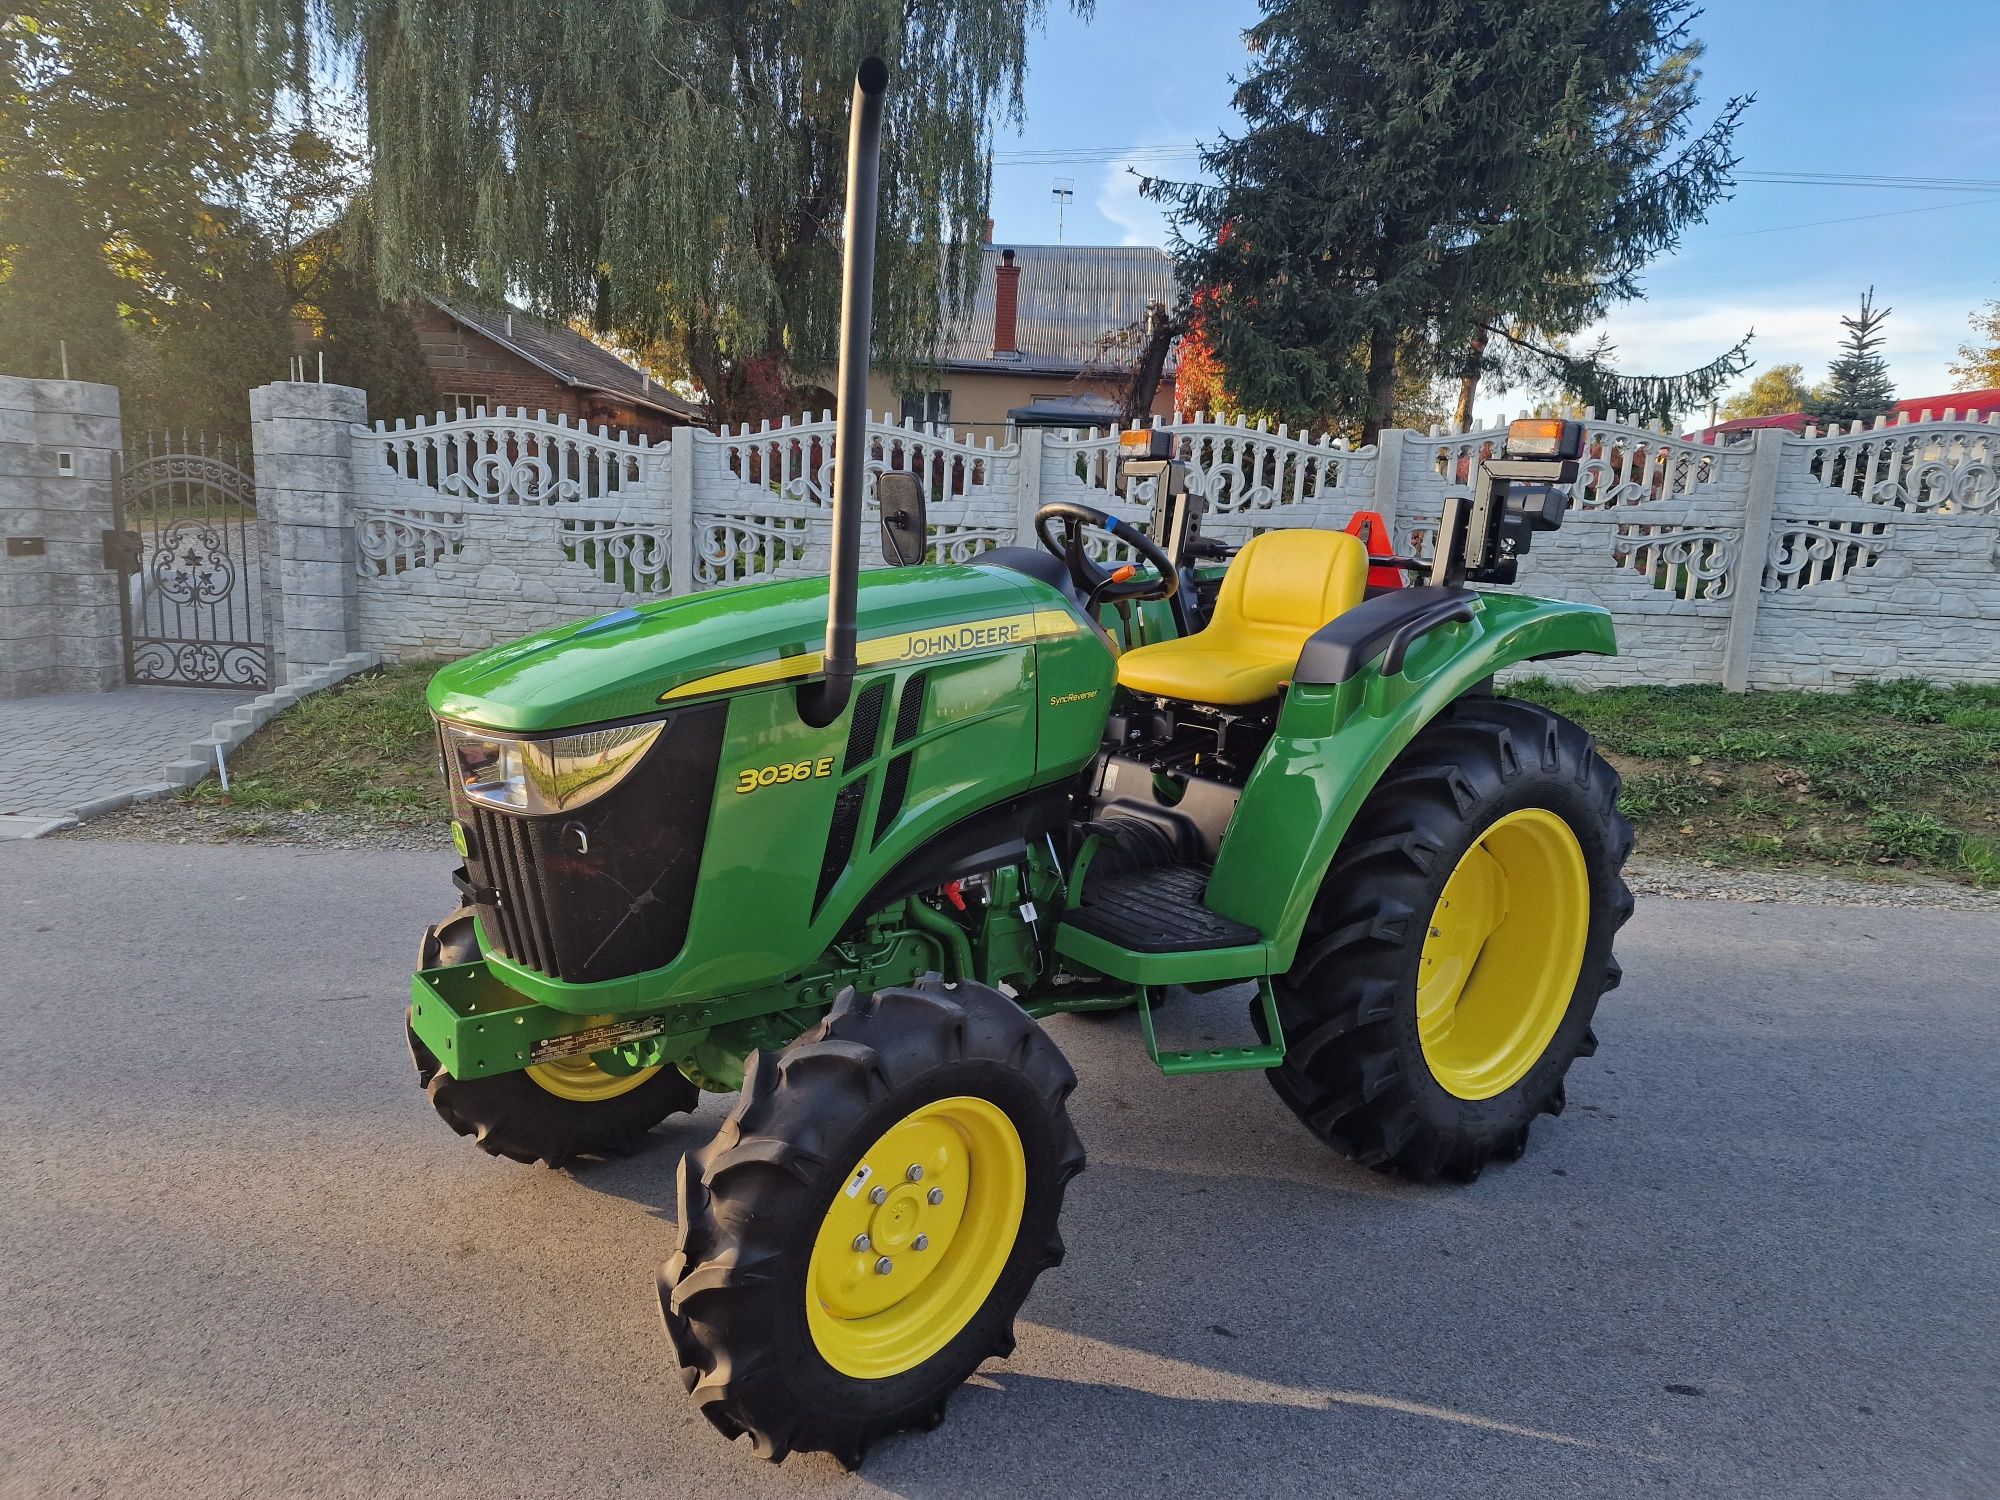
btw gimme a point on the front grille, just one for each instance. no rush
(520, 918)
(603, 890)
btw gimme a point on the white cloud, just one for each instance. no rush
(1138, 219)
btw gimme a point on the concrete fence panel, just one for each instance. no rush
(1786, 561)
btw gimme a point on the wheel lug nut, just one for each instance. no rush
(921, 1242)
(915, 1174)
(884, 1266)
(934, 1197)
(879, 1195)
(862, 1242)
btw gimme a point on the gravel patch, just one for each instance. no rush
(169, 822)
(1698, 882)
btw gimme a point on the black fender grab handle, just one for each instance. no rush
(1387, 626)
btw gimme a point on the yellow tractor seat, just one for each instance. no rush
(1279, 589)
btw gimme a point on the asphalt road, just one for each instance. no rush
(238, 1255)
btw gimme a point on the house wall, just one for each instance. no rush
(980, 401)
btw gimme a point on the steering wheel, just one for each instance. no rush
(1099, 583)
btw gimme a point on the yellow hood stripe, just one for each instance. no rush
(994, 633)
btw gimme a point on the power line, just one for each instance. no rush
(1855, 179)
(1047, 155)
(1928, 208)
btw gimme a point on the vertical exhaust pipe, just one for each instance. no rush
(826, 699)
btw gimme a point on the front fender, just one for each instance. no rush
(1334, 741)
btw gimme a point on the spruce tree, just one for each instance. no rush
(1857, 387)
(1413, 180)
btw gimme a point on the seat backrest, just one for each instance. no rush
(1284, 585)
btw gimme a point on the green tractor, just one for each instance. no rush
(838, 845)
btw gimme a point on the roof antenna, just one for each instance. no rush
(1060, 192)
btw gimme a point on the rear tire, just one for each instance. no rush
(783, 1327)
(1369, 1075)
(554, 1113)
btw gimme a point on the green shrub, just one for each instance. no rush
(1979, 857)
(1918, 836)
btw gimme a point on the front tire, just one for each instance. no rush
(552, 1112)
(1453, 962)
(857, 1238)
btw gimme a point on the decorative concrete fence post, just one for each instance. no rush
(302, 435)
(60, 627)
(1390, 444)
(1028, 500)
(1759, 505)
(674, 464)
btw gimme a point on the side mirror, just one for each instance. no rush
(905, 530)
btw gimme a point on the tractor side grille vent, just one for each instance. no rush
(896, 779)
(839, 838)
(910, 709)
(865, 727)
(895, 786)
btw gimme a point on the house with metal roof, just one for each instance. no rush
(502, 356)
(1050, 338)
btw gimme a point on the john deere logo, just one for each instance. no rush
(965, 638)
(884, 650)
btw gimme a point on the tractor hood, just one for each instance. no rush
(625, 664)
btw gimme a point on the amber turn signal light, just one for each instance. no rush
(1146, 442)
(1544, 437)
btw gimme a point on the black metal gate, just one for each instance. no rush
(194, 585)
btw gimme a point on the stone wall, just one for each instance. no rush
(60, 628)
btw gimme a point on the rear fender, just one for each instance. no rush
(1335, 740)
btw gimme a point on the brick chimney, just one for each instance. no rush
(1006, 302)
(989, 231)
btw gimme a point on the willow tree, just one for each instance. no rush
(670, 170)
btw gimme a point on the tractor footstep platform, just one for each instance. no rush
(1157, 911)
(1174, 1062)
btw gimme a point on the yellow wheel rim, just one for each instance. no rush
(1501, 959)
(916, 1238)
(582, 1080)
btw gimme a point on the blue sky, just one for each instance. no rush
(1842, 86)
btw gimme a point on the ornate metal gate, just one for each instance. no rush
(194, 588)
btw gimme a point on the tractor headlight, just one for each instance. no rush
(546, 775)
